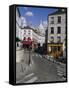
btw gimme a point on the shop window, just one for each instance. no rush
(59, 48)
(54, 49)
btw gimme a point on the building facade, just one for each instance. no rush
(56, 33)
(18, 28)
(30, 37)
(27, 35)
(18, 23)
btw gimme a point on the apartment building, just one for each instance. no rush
(56, 32)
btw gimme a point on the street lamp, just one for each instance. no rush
(29, 57)
(46, 39)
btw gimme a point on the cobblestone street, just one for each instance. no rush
(39, 70)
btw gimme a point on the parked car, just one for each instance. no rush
(39, 50)
(62, 59)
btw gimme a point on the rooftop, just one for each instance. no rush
(60, 11)
(35, 30)
(27, 27)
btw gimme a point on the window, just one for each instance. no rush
(58, 39)
(52, 30)
(24, 31)
(58, 30)
(28, 30)
(59, 19)
(29, 33)
(52, 20)
(24, 39)
(52, 39)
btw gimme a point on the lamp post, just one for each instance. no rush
(29, 57)
(46, 39)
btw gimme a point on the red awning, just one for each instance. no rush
(27, 42)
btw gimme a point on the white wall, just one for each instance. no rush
(4, 46)
(55, 25)
(27, 33)
(34, 36)
(18, 25)
(38, 38)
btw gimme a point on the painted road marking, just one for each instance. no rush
(31, 80)
(29, 75)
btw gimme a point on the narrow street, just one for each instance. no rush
(40, 70)
(41, 45)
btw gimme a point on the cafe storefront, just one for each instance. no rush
(55, 49)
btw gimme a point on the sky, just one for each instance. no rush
(34, 15)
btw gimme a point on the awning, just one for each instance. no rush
(27, 42)
(17, 39)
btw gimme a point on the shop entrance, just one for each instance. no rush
(55, 50)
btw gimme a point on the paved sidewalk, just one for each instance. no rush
(23, 66)
(19, 55)
(40, 70)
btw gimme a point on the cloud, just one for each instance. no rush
(45, 23)
(24, 21)
(26, 8)
(29, 13)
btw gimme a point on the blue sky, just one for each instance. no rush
(34, 15)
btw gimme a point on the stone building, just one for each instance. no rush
(56, 32)
(30, 37)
